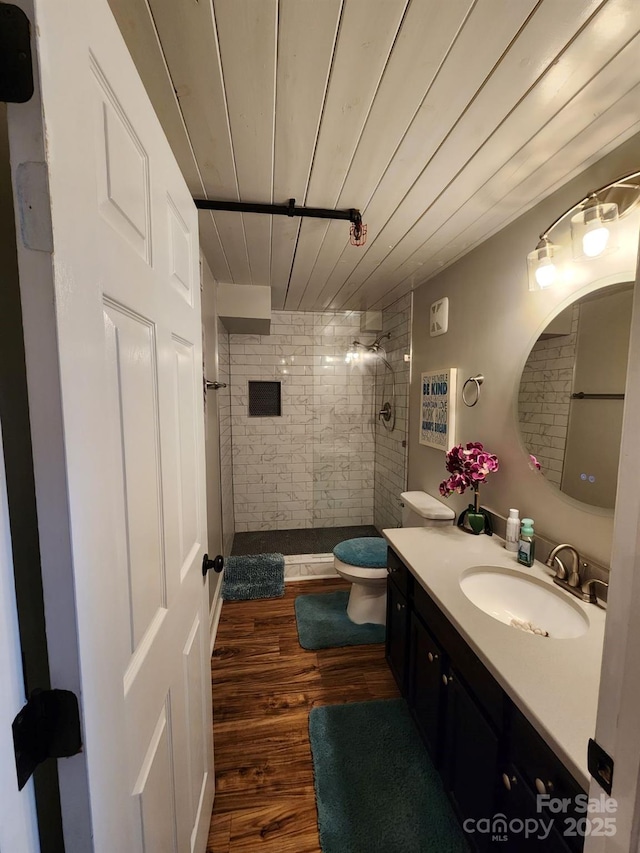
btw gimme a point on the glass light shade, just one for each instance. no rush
(546, 273)
(595, 239)
(541, 265)
(593, 230)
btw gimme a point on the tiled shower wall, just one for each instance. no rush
(391, 446)
(226, 464)
(313, 465)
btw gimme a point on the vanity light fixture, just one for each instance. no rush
(594, 226)
(541, 263)
(591, 228)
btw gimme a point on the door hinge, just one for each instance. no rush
(16, 66)
(600, 765)
(47, 727)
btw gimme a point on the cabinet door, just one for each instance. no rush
(517, 802)
(542, 772)
(426, 687)
(397, 642)
(471, 756)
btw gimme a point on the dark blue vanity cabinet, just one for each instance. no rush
(427, 668)
(491, 760)
(532, 768)
(470, 756)
(397, 641)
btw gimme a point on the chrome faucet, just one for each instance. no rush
(562, 578)
(571, 580)
(588, 591)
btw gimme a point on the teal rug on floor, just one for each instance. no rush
(323, 623)
(376, 788)
(254, 576)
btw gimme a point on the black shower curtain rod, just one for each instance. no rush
(352, 215)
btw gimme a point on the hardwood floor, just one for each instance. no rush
(264, 685)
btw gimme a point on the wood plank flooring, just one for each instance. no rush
(264, 685)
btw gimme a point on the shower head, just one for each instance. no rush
(373, 347)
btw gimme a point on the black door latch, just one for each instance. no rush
(16, 66)
(600, 765)
(47, 727)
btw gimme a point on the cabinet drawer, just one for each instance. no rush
(477, 677)
(398, 572)
(519, 804)
(537, 760)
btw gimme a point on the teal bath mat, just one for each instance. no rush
(376, 788)
(323, 623)
(254, 576)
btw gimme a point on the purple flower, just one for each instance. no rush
(455, 483)
(469, 466)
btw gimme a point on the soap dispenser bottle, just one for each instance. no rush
(526, 545)
(513, 531)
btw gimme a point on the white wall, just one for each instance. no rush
(494, 321)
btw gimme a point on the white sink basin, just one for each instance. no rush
(524, 603)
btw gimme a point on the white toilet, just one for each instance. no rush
(422, 510)
(363, 562)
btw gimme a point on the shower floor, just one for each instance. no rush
(312, 540)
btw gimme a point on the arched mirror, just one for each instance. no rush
(571, 395)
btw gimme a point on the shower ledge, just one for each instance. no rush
(308, 567)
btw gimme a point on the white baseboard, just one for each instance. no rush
(214, 619)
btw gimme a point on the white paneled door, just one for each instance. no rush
(126, 326)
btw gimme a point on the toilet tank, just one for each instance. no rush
(422, 510)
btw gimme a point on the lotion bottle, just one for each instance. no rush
(526, 545)
(513, 531)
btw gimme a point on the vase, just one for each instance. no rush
(474, 519)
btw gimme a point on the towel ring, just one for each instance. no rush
(477, 380)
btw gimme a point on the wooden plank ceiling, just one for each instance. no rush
(441, 120)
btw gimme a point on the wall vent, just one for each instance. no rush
(265, 399)
(439, 317)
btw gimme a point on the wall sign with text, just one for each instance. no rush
(437, 410)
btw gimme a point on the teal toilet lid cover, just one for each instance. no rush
(368, 552)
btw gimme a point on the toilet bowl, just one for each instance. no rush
(363, 561)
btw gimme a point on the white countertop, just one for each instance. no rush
(554, 682)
